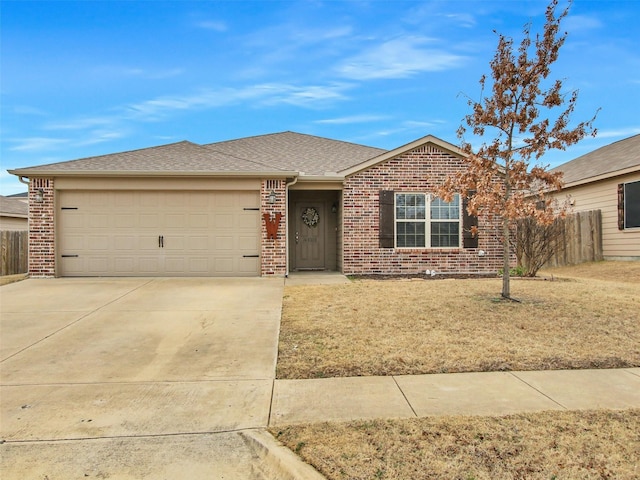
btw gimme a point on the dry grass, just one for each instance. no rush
(587, 317)
(547, 445)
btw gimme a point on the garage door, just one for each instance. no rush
(149, 233)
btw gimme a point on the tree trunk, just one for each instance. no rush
(506, 289)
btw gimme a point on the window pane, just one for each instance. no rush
(632, 204)
(445, 234)
(410, 235)
(441, 210)
(410, 206)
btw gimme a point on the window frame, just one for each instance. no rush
(427, 221)
(626, 201)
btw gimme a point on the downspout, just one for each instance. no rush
(286, 223)
(20, 179)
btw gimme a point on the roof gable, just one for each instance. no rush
(608, 161)
(429, 139)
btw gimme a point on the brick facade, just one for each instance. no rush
(419, 170)
(273, 253)
(42, 254)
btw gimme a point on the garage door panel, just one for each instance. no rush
(248, 265)
(120, 232)
(149, 220)
(96, 265)
(124, 265)
(175, 220)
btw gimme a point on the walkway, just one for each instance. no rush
(491, 393)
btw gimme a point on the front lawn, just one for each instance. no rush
(579, 317)
(534, 446)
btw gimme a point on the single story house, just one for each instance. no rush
(608, 179)
(14, 214)
(262, 205)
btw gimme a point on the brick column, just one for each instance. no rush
(42, 253)
(274, 251)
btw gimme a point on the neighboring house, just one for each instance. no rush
(14, 213)
(263, 205)
(608, 179)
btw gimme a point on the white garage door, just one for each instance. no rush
(149, 233)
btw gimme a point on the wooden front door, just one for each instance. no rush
(309, 236)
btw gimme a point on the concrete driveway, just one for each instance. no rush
(136, 378)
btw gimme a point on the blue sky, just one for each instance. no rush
(86, 78)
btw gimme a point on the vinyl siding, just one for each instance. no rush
(603, 195)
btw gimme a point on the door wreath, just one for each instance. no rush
(310, 217)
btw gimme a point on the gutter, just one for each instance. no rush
(143, 173)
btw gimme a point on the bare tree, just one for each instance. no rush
(535, 243)
(516, 116)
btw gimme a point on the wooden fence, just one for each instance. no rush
(580, 240)
(14, 251)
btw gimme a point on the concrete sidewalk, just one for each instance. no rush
(492, 393)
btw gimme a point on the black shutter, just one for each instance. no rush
(468, 221)
(387, 218)
(621, 206)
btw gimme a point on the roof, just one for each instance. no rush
(175, 158)
(13, 207)
(307, 154)
(429, 139)
(614, 159)
(286, 154)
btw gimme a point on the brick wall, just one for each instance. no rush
(42, 254)
(419, 170)
(274, 254)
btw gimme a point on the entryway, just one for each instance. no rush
(313, 230)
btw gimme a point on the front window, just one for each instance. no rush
(426, 222)
(632, 204)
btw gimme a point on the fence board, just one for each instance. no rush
(581, 239)
(14, 251)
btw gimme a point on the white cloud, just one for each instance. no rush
(36, 144)
(123, 71)
(215, 25)
(353, 119)
(399, 58)
(99, 136)
(29, 110)
(618, 133)
(580, 23)
(308, 96)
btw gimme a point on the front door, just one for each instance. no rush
(309, 236)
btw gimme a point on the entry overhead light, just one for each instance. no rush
(272, 197)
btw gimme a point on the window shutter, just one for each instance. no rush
(621, 206)
(468, 221)
(386, 218)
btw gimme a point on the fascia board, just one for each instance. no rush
(604, 176)
(143, 173)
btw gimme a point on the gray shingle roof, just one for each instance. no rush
(298, 152)
(176, 157)
(617, 156)
(279, 152)
(13, 207)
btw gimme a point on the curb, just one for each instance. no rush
(276, 461)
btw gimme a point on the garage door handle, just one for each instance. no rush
(250, 256)
(161, 241)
